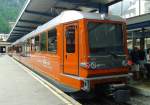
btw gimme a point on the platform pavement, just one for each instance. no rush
(141, 87)
(17, 87)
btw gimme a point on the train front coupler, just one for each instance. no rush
(120, 92)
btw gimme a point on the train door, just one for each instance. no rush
(71, 49)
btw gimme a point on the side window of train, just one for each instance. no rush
(70, 39)
(36, 45)
(52, 40)
(43, 41)
(32, 44)
(28, 46)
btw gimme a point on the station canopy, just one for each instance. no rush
(38, 12)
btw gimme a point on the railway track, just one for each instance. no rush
(100, 100)
(104, 100)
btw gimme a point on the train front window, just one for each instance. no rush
(105, 38)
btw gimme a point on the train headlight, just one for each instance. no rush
(85, 65)
(89, 65)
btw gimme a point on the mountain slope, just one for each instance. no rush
(9, 11)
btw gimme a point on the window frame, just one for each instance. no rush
(33, 45)
(38, 43)
(112, 22)
(74, 36)
(40, 35)
(52, 52)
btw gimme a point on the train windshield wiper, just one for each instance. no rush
(114, 55)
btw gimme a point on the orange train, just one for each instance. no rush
(77, 50)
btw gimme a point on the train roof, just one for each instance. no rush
(68, 16)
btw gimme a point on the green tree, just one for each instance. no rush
(9, 11)
(4, 26)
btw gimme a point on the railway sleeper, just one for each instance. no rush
(119, 92)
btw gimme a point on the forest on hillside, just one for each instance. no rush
(9, 11)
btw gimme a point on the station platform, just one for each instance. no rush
(18, 87)
(141, 87)
(140, 92)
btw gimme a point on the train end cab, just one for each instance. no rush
(94, 52)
